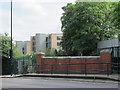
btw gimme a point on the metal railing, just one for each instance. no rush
(73, 68)
(116, 60)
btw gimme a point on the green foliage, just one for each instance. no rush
(84, 24)
(54, 52)
(116, 18)
(40, 50)
(50, 52)
(60, 52)
(16, 53)
(119, 37)
(6, 46)
(116, 15)
(30, 56)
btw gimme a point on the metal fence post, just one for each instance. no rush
(55, 65)
(107, 70)
(67, 67)
(51, 68)
(85, 68)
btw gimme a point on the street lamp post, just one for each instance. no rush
(11, 51)
(23, 50)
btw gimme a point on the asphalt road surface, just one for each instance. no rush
(38, 82)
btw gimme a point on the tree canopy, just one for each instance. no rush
(116, 16)
(5, 46)
(84, 24)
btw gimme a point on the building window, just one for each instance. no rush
(46, 39)
(34, 49)
(46, 45)
(58, 44)
(23, 50)
(59, 37)
(49, 37)
(33, 38)
(33, 43)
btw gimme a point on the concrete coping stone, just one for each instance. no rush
(73, 57)
(106, 51)
(41, 53)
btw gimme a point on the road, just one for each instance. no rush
(38, 82)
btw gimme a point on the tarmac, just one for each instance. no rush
(113, 77)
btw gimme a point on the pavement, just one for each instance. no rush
(46, 82)
(113, 77)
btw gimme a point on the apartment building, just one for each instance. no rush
(28, 47)
(38, 42)
(24, 47)
(54, 41)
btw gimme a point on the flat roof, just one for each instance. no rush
(109, 43)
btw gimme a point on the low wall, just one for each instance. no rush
(74, 64)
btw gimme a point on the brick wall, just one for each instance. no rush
(74, 64)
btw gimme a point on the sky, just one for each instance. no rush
(31, 17)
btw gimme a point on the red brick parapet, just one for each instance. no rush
(105, 57)
(78, 61)
(39, 57)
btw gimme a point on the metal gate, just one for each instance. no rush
(116, 60)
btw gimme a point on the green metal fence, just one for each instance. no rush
(6, 66)
(21, 64)
(15, 67)
(116, 60)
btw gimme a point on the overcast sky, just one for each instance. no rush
(31, 17)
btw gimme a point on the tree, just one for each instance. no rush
(116, 15)
(84, 24)
(5, 53)
(50, 52)
(6, 46)
(60, 52)
(116, 18)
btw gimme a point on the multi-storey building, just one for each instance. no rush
(28, 47)
(54, 41)
(38, 42)
(24, 47)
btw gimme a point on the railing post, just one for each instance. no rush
(67, 67)
(107, 70)
(85, 68)
(55, 65)
(51, 69)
